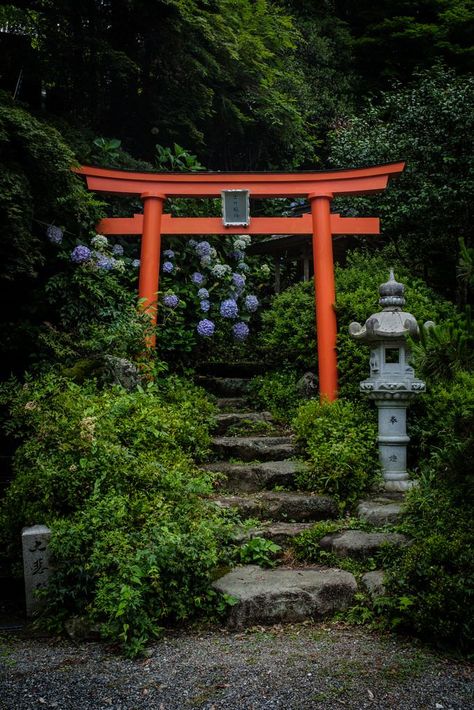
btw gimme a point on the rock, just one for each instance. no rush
(373, 584)
(280, 533)
(78, 627)
(248, 478)
(227, 420)
(254, 448)
(380, 511)
(231, 404)
(359, 544)
(224, 386)
(308, 386)
(119, 371)
(285, 595)
(283, 507)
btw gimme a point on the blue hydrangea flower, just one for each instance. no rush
(192, 243)
(168, 267)
(169, 253)
(203, 249)
(136, 263)
(240, 331)
(205, 261)
(197, 278)
(229, 308)
(251, 303)
(54, 234)
(239, 281)
(205, 305)
(205, 328)
(117, 249)
(237, 255)
(243, 267)
(171, 300)
(80, 254)
(105, 262)
(203, 293)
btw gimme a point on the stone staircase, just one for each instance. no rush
(253, 457)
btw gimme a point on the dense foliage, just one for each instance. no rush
(112, 473)
(339, 440)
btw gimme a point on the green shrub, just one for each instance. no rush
(340, 441)
(134, 539)
(276, 392)
(288, 327)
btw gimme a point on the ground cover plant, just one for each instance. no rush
(112, 472)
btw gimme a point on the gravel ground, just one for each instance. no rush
(322, 665)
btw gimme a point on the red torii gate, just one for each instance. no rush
(318, 187)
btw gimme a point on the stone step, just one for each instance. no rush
(380, 511)
(224, 386)
(280, 533)
(273, 596)
(253, 448)
(232, 404)
(283, 507)
(241, 419)
(249, 478)
(359, 544)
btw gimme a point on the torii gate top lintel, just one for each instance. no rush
(259, 184)
(317, 186)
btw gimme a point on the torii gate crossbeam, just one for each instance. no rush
(318, 187)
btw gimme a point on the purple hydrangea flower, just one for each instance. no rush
(168, 267)
(239, 281)
(237, 255)
(205, 328)
(117, 249)
(80, 254)
(171, 300)
(240, 331)
(169, 253)
(54, 234)
(136, 263)
(105, 262)
(229, 308)
(197, 278)
(203, 293)
(251, 303)
(205, 305)
(203, 249)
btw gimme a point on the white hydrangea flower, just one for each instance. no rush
(246, 238)
(100, 242)
(221, 270)
(240, 245)
(265, 270)
(205, 260)
(213, 253)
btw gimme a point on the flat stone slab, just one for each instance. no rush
(381, 511)
(360, 544)
(285, 595)
(225, 386)
(282, 507)
(373, 583)
(231, 404)
(280, 533)
(227, 420)
(249, 478)
(254, 448)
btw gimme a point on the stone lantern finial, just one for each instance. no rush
(392, 293)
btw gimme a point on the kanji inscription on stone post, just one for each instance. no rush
(36, 564)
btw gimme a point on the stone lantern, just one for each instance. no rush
(392, 383)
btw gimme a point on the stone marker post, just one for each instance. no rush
(392, 383)
(36, 564)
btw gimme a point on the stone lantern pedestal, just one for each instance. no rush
(392, 383)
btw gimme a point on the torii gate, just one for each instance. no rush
(318, 187)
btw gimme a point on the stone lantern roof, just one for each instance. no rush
(392, 323)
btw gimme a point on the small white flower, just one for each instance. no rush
(99, 242)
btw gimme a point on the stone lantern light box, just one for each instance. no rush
(392, 383)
